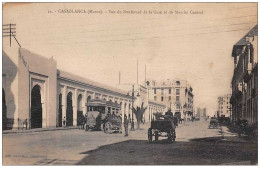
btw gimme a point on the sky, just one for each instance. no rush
(168, 38)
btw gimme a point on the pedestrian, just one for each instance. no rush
(126, 125)
(64, 122)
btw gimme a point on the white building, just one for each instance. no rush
(34, 89)
(175, 94)
(142, 97)
(224, 105)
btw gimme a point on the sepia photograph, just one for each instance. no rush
(130, 84)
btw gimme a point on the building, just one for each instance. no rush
(175, 94)
(224, 106)
(36, 91)
(201, 113)
(142, 98)
(245, 78)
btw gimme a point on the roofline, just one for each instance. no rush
(94, 87)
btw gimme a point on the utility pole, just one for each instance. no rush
(9, 30)
(132, 123)
(119, 78)
(145, 73)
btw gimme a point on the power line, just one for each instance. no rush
(17, 41)
(235, 24)
(116, 29)
(158, 37)
(170, 36)
(113, 35)
(10, 33)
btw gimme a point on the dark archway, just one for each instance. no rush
(88, 100)
(4, 111)
(69, 110)
(36, 107)
(60, 111)
(80, 117)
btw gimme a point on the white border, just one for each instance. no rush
(128, 173)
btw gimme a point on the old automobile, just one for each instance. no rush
(163, 127)
(213, 123)
(103, 115)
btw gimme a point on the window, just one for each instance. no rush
(162, 90)
(177, 91)
(170, 91)
(162, 98)
(154, 91)
(177, 98)
(155, 98)
(177, 83)
(170, 98)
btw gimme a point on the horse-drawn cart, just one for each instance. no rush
(163, 127)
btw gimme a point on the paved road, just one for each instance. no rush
(195, 145)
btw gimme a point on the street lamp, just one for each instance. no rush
(133, 92)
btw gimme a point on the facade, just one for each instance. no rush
(142, 98)
(201, 113)
(34, 90)
(245, 78)
(224, 106)
(175, 94)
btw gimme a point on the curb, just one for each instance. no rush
(37, 130)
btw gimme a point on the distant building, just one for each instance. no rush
(201, 113)
(175, 94)
(224, 106)
(204, 113)
(141, 98)
(244, 97)
(198, 113)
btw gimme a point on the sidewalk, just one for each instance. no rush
(39, 130)
(233, 136)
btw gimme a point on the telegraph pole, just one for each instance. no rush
(9, 30)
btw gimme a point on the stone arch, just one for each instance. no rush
(69, 110)
(36, 107)
(88, 99)
(79, 110)
(79, 103)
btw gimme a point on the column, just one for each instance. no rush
(75, 107)
(43, 100)
(84, 101)
(127, 109)
(64, 102)
(123, 110)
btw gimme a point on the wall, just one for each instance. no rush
(46, 71)
(10, 85)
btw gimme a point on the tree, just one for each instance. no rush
(139, 112)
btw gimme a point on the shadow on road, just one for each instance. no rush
(200, 151)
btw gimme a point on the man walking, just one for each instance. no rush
(64, 122)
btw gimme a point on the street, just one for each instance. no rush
(195, 145)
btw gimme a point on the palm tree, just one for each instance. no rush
(139, 113)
